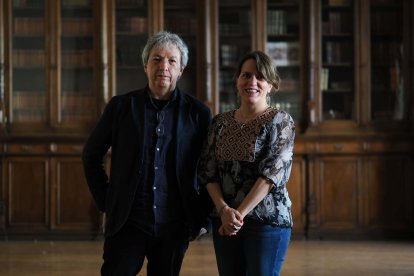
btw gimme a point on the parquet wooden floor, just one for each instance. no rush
(307, 258)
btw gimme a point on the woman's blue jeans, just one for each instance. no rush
(257, 250)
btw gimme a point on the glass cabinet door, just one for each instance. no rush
(337, 77)
(28, 85)
(131, 36)
(283, 45)
(387, 52)
(235, 40)
(77, 44)
(180, 18)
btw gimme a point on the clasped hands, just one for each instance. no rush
(231, 222)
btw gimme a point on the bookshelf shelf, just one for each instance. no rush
(387, 44)
(283, 44)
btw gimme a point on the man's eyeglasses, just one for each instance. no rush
(159, 130)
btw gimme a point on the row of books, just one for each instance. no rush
(324, 79)
(338, 52)
(77, 26)
(132, 24)
(226, 81)
(78, 115)
(129, 3)
(28, 25)
(337, 22)
(41, 3)
(28, 99)
(289, 85)
(76, 3)
(284, 53)
(386, 53)
(289, 107)
(37, 57)
(235, 23)
(39, 115)
(276, 22)
(384, 2)
(181, 25)
(82, 58)
(230, 54)
(29, 57)
(128, 55)
(28, 3)
(331, 83)
(29, 115)
(72, 102)
(339, 3)
(386, 22)
(386, 79)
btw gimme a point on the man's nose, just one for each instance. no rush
(164, 64)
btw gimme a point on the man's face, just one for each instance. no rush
(163, 68)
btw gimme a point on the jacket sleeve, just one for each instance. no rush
(94, 153)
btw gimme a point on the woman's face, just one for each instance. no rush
(163, 68)
(251, 87)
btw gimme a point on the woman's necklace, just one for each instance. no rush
(244, 119)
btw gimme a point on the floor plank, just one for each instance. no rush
(83, 258)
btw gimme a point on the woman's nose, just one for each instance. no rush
(253, 79)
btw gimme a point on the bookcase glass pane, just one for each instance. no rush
(180, 18)
(387, 89)
(235, 40)
(131, 36)
(77, 61)
(337, 77)
(28, 101)
(283, 45)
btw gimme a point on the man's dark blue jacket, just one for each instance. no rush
(120, 129)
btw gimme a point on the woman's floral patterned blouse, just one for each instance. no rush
(237, 154)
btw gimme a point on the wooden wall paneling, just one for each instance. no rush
(389, 195)
(338, 196)
(297, 193)
(27, 186)
(75, 208)
(334, 199)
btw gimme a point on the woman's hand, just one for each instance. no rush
(231, 222)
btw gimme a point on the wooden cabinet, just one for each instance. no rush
(335, 187)
(359, 118)
(346, 78)
(361, 65)
(51, 66)
(45, 191)
(360, 188)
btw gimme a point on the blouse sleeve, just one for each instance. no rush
(207, 169)
(277, 162)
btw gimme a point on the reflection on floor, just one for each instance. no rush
(83, 258)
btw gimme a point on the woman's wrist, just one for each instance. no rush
(220, 210)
